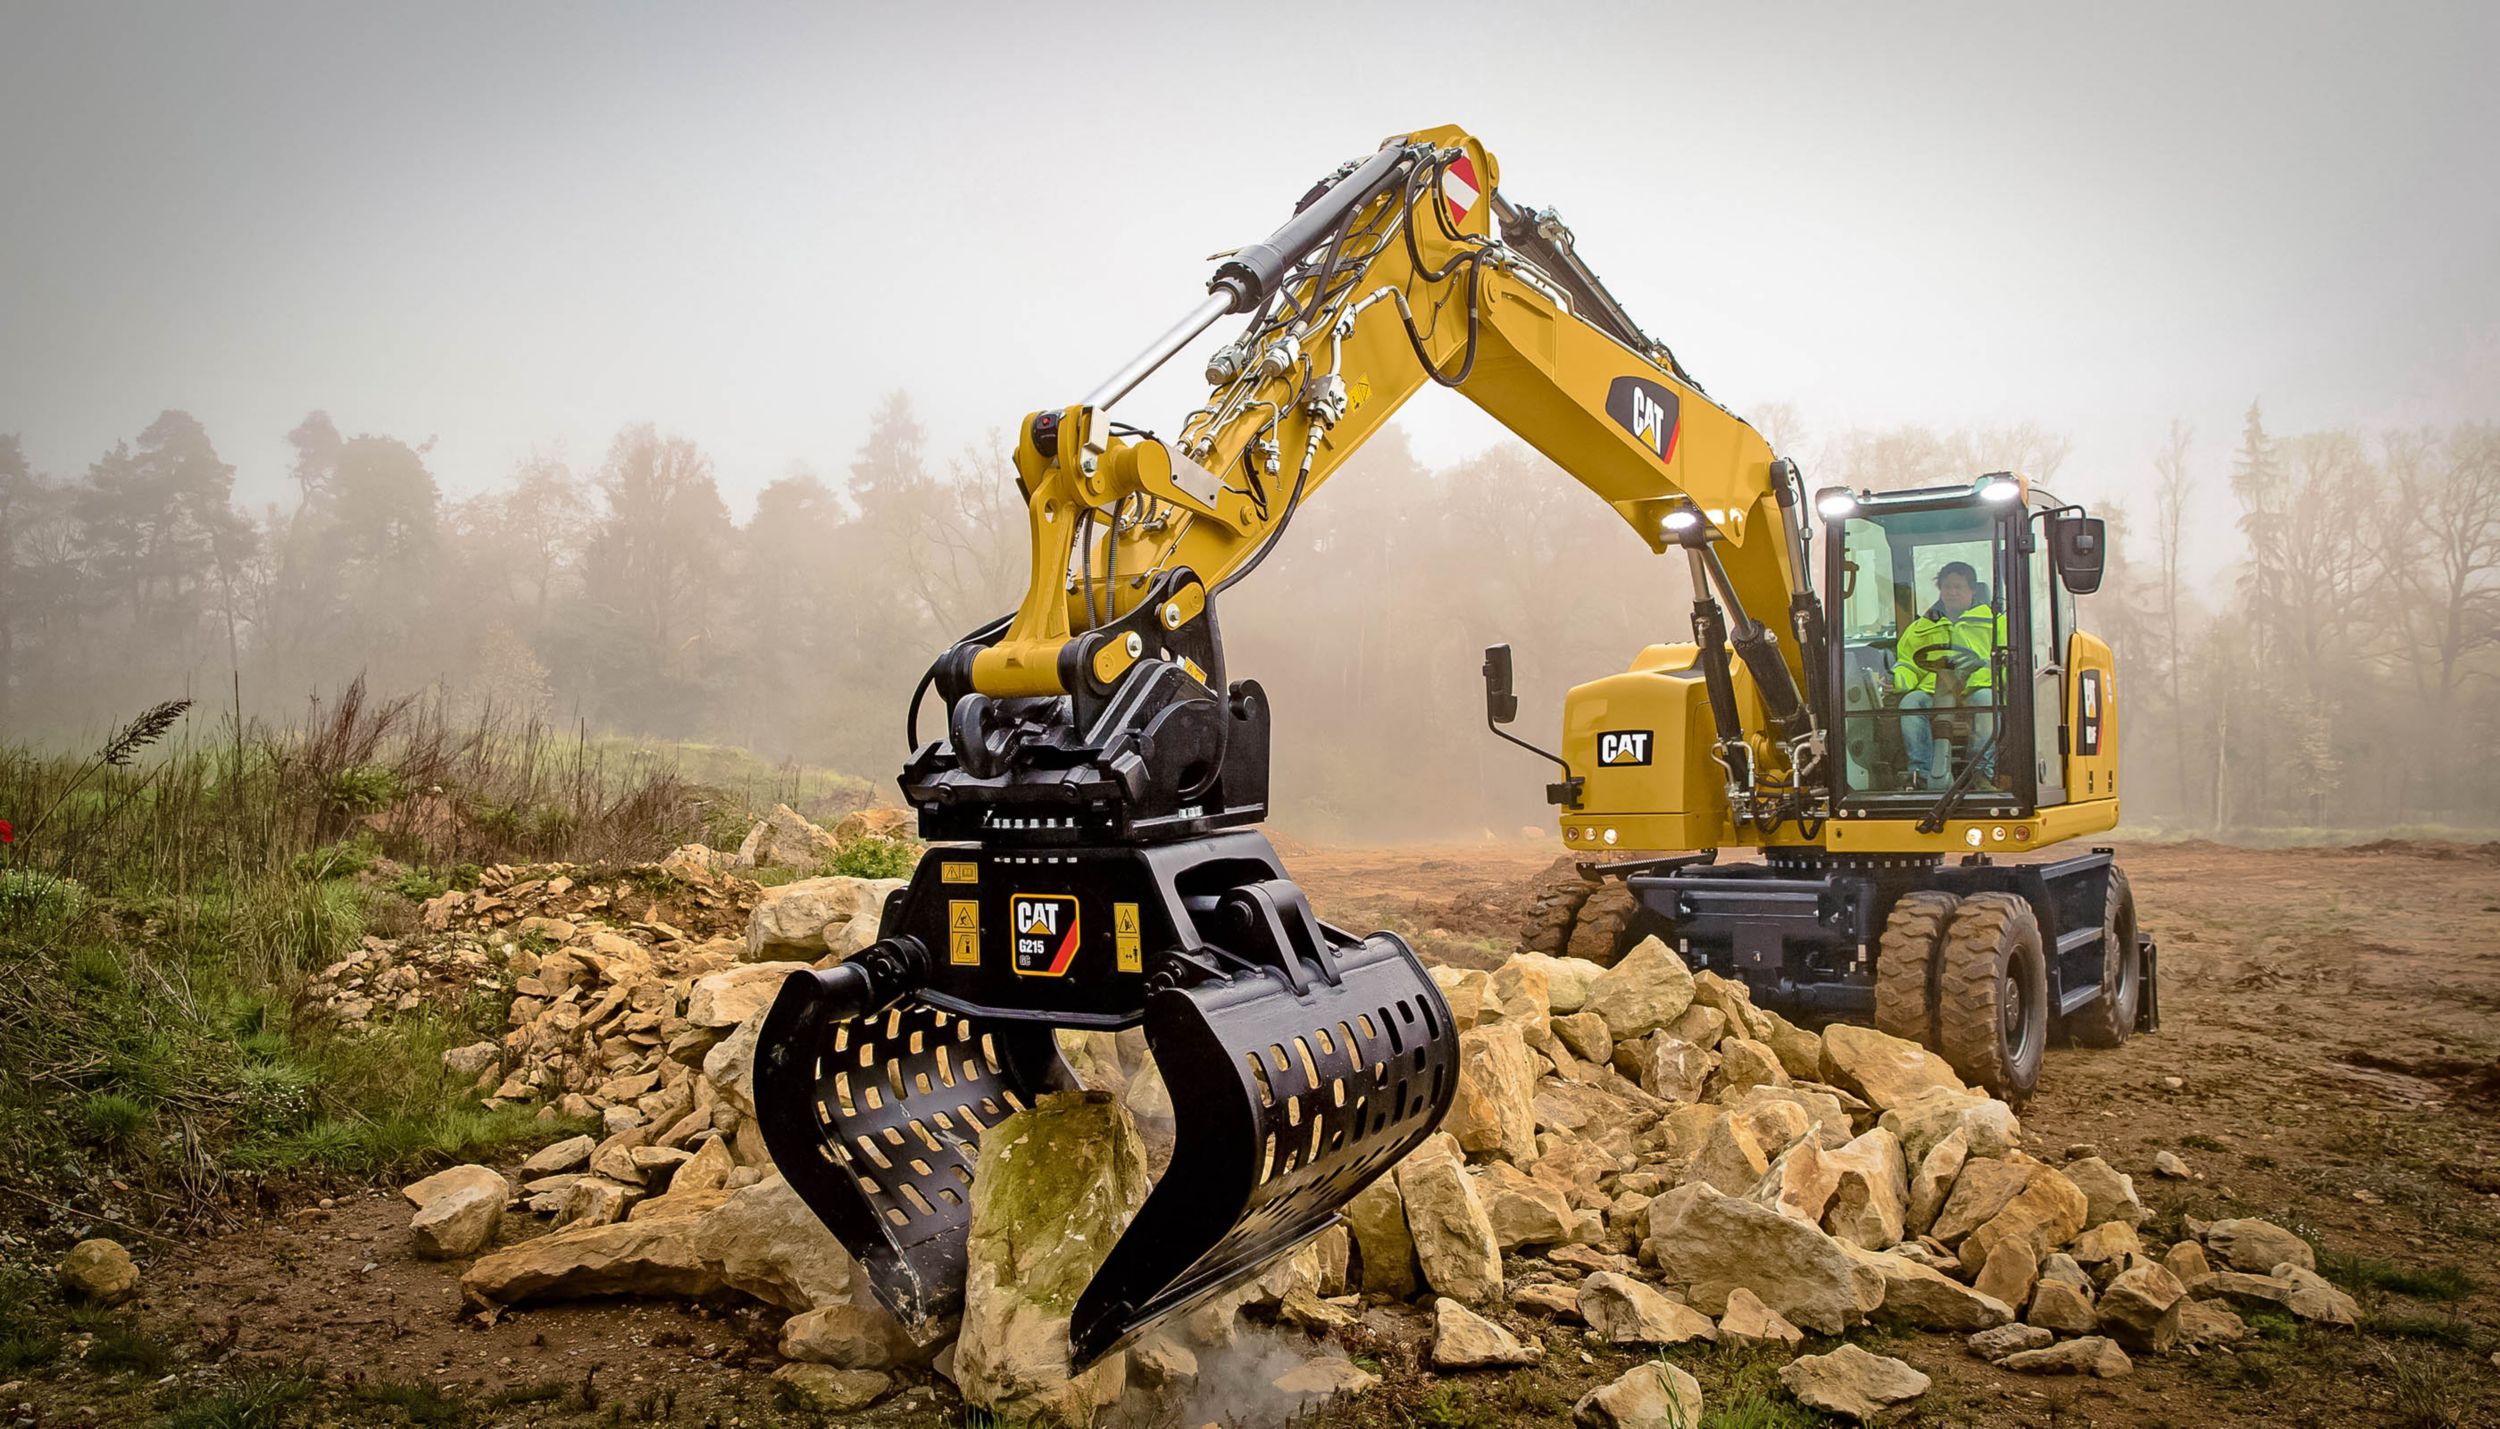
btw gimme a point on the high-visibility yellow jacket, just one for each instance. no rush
(1979, 630)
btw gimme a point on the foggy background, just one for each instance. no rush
(645, 370)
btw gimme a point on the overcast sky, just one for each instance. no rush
(518, 227)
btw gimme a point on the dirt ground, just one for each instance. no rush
(2329, 1059)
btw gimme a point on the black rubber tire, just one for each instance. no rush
(1992, 996)
(1906, 966)
(2111, 1017)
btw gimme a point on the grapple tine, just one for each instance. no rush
(1297, 1100)
(876, 1122)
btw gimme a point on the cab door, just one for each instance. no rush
(2052, 621)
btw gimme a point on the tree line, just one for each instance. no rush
(2340, 677)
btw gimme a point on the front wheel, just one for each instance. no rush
(2112, 1015)
(1992, 1004)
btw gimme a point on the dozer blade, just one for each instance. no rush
(876, 1122)
(1289, 1101)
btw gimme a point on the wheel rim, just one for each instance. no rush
(2021, 1009)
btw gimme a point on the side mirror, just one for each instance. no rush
(1501, 700)
(2080, 546)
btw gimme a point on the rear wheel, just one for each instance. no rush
(2111, 1017)
(1992, 1003)
(1906, 966)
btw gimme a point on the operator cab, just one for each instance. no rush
(1946, 654)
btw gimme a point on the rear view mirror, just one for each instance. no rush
(2079, 545)
(1501, 701)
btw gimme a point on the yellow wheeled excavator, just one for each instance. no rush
(1090, 798)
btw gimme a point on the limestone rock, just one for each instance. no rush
(1055, 1185)
(729, 1068)
(1586, 1035)
(732, 995)
(1870, 1204)
(1378, 1218)
(2045, 1214)
(473, 1059)
(848, 1337)
(1454, 1244)
(786, 838)
(1852, 1383)
(1710, 1244)
(1562, 1301)
(2170, 1167)
(1521, 1209)
(2012, 1270)
(1645, 991)
(2313, 1298)
(1463, 1339)
(2108, 1192)
(570, 1154)
(595, 1201)
(1703, 1026)
(1624, 1311)
(1495, 1111)
(1934, 1181)
(764, 1241)
(457, 1210)
(2107, 1243)
(1463, 990)
(1325, 1377)
(2093, 1354)
(1656, 1395)
(98, 1272)
(809, 918)
(1158, 1361)
(2186, 1260)
(1750, 1322)
(2204, 1323)
(1731, 1160)
(1927, 1299)
(1567, 981)
(2140, 1309)
(1676, 1070)
(2257, 1247)
(882, 823)
(1888, 1071)
(1745, 1064)
(1799, 1051)
(1732, 1000)
(1983, 1188)
(1800, 1183)
(1823, 1112)
(833, 1391)
(2006, 1340)
(1518, 995)
(576, 1262)
(2058, 1306)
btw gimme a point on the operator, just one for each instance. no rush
(1944, 660)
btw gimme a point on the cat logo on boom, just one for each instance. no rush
(1648, 411)
(1623, 748)
(1045, 933)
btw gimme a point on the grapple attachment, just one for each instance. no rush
(1303, 1062)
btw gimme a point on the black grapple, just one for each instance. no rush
(1303, 1061)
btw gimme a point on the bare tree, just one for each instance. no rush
(2170, 501)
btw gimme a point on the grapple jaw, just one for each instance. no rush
(1302, 1062)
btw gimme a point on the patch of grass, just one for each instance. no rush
(519, 1395)
(2450, 1330)
(260, 1402)
(2199, 1141)
(112, 1120)
(1453, 1406)
(1758, 1409)
(875, 856)
(417, 1402)
(2426, 1393)
(120, 1346)
(2274, 1325)
(2358, 1272)
(27, 1346)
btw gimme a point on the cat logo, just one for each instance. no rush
(1646, 410)
(1045, 933)
(1623, 748)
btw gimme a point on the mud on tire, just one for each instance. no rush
(2111, 1016)
(1992, 995)
(1907, 966)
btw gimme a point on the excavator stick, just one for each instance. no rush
(1304, 1062)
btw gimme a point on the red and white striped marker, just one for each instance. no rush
(1458, 188)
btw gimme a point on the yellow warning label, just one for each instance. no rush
(960, 872)
(963, 948)
(963, 915)
(1125, 946)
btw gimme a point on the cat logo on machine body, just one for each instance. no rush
(1649, 411)
(1624, 748)
(1044, 926)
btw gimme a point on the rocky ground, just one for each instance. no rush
(2284, 1207)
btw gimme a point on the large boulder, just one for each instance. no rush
(1383, 1245)
(1731, 1158)
(1852, 1383)
(1927, 1299)
(855, 1337)
(733, 995)
(650, 1257)
(882, 823)
(1495, 1111)
(98, 1272)
(1982, 1189)
(1518, 995)
(1800, 1183)
(1645, 991)
(1656, 1395)
(765, 1242)
(1567, 980)
(1522, 1209)
(1675, 1070)
(1624, 1311)
(1870, 1201)
(2139, 1308)
(1709, 1244)
(1463, 1339)
(2257, 1247)
(2096, 1355)
(2045, 1214)
(815, 916)
(457, 1211)
(785, 838)
(1888, 1071)
(1055, 1186)
(2108, 1193)
(1988, 1126)
(828, 1390)
(1750, 1322)
(1934, 1181)
(1454, 1241)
